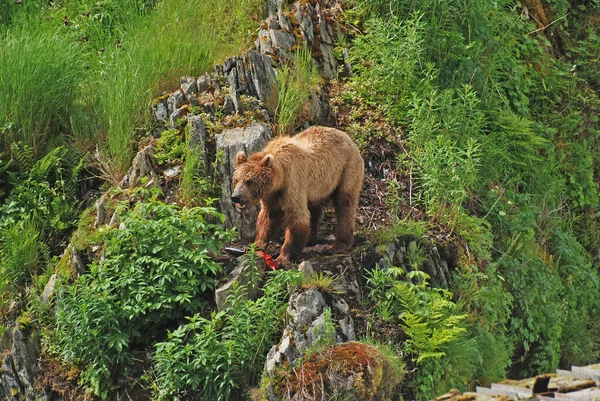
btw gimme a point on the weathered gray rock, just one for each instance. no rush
(174, 101)
(229, 106)
(19, 374)
(160, 110)
(144, 165)
(177, 115)
(100, 211)
(204, 82)
(188, 85)
(250, 140)
(252, 74)
(48, 290)
(306, 326)
(196, 137)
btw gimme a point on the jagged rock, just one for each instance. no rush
(197, 136)
(305, 327)
(18, 377)
(234, 93)
(174, 101)
(48, 290)
(144, 165)
(100, 211)
(160, 110)
(316, 111)
(252, 74)
(250, 139)
(188, 85)
(177, 115)
(204, 82)
(228, 106)
(306, 268)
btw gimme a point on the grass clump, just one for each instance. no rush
(41, 71)
(294, 83)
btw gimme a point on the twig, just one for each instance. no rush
(492, 208)
(544, 27)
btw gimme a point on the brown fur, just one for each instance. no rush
(293, 177)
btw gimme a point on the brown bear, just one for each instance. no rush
(294, 177)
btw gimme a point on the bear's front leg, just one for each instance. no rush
(267, 225)
(296, 235)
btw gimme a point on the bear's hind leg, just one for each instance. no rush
(316, 215)
(345, 210)
(296, 235)
(268, 224)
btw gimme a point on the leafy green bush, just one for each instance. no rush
(21, 254)
(154, 270)
(45, 193)
(221, 357)
(434, 325)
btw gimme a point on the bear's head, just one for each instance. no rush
(253, 179)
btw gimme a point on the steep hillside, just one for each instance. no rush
(477, 249)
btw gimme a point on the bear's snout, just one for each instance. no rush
(236, 199)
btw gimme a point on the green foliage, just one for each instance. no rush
(294, 85)
(434, 325)
(40, 75)
(221, 357)
(21, 254)
(195, 186)
(154, 270)
(45, 193)
(170, 148)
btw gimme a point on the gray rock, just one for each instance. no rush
(100, 211)
(174, 101)
(48, 290)
(144, 165)
(196, 137)
(234, 90)
(160, 111)
(252, 74)
(250, 140)
(203, 83)
(306, 326)
(229, 106)
(176, 117)
(306, 268)
(188, 85)
(283, 41)
(172, 172)
(19, 374)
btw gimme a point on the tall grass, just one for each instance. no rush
(40, 74)
(179, 38)
(93, 74)
(294, 84)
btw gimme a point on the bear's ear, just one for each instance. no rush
(240, 158)
(267, 161)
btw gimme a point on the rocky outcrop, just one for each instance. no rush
(309, 24)
(250, 139)
(307, 324)
(19, 375)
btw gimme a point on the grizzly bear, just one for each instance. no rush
(294, 177)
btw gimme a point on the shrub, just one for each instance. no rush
(221, 357)
(155, 269)
(434, 325)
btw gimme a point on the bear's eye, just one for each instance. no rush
(249, 182)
